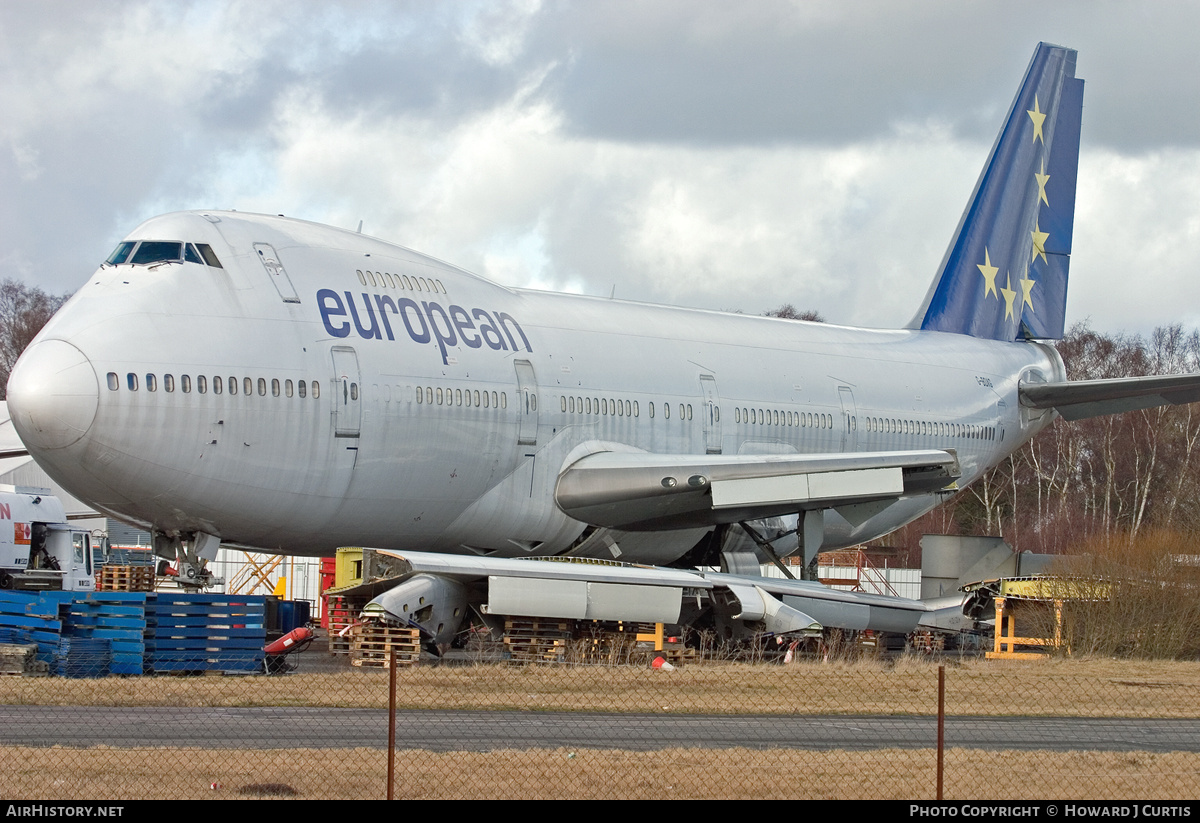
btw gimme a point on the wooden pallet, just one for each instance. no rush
(343, 612)
(537, 639)
(373, 644)
(125, 579)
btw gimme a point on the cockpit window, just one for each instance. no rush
(121, 253)
(149, 252)
(209, 256)
(156, 251)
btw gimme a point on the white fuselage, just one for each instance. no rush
(442, 423)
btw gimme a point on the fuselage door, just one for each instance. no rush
(711, 414)
(347, 392)
(526, 403)
(270, 261)
(849, 419)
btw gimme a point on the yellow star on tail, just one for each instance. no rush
(989, 273)
(1039, 243)
(1009, 297)
(1041, 181)
(1038, 119)
(1027, 290)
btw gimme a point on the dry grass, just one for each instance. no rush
(1085, 688)
(103, 773)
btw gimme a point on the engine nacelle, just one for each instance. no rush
(435, 605)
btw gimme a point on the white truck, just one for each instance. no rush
(38, 549)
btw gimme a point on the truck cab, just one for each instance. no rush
(39, 549)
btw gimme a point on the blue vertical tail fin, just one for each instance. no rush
(1004, 276)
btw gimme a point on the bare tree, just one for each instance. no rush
(788, 312)
(23, 311)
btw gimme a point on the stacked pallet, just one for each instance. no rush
(119, 618)
(373, 643)
(205, 633)
(537, 639)
(125, 578)
(20, 658)
(342, 613)
(41, 619)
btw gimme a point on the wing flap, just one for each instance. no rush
(1081, 399)
(647, 492)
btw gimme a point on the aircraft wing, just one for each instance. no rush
(401, 582)
(647, 492)
(1093, 398)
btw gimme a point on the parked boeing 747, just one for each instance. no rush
(265, 382)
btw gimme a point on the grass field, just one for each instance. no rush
(1085, 688)
(1091, 688)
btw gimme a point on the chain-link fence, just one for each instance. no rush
(815, 727)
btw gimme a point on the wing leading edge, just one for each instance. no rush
(649, 492)
(1081, 399)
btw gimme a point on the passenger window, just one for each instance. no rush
(201, 384)
(651, 407)
(274, 386)
(114, 382)
(353, 391)
(666, 411)
(316, 389)
(131, 381)
(218, 385)
(504, 400)
(169, 382)
(185, 383)
(301, 388)
(151, 383)
(233, 385)
(287, 387)
(361, 277)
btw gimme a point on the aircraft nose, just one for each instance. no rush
(52, 395)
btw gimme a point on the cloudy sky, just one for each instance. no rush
(713, 154)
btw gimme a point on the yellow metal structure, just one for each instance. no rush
(347, 570)
(254, 576)
(1007, 639)
(1032, 598)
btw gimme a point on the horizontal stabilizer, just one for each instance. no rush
(649, 492)
(1093, 398)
